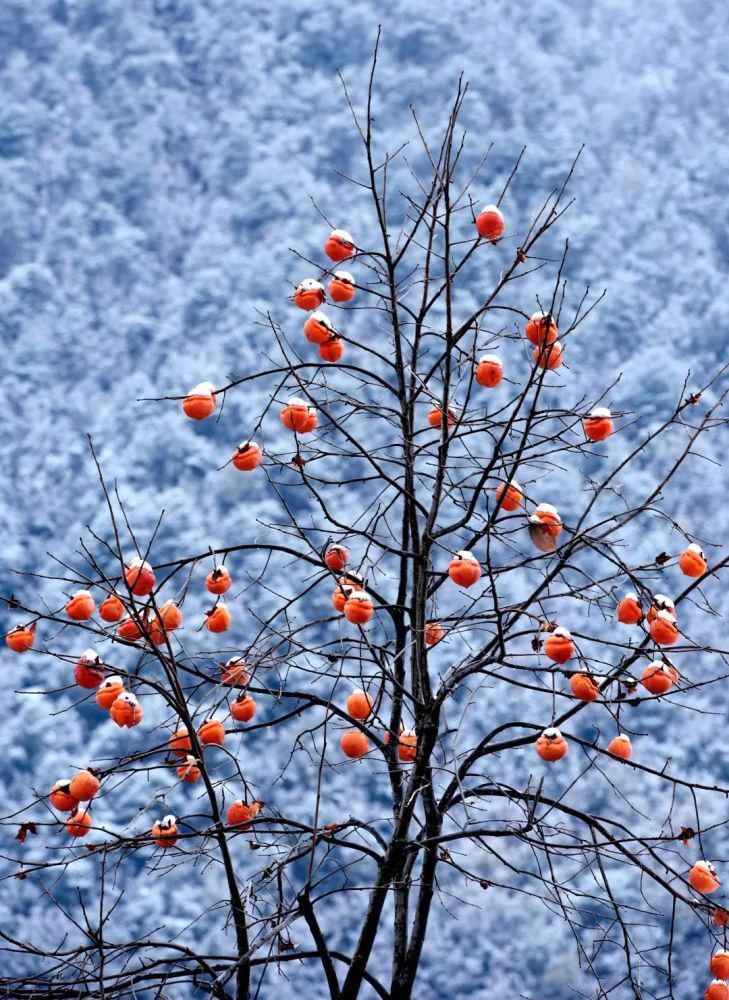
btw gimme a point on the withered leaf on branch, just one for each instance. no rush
(23, 830)
(548, 626)
(663, 558)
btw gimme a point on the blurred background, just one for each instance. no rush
(157, 161)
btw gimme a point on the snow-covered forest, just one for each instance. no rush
(158, 160)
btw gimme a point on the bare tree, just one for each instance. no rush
(420, 496)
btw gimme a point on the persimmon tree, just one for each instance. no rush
(427, 564)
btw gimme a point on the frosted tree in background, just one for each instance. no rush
(428, 492)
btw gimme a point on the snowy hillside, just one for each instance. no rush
(157, 162)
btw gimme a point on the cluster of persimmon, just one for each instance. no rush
(301, 417)
(75, 794)
(540, 330)
(658, 677)
(149, 623)
(718, 989)
(349, 597)
(703, 878)
(489, 372)
(212, 731)
(165, 832)
(544, 524)
(354, 742)
(310, 295)
(199, 404)
(356, 605)
(297, 415)
(89, 671)
(68, 794)
(152, 625)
